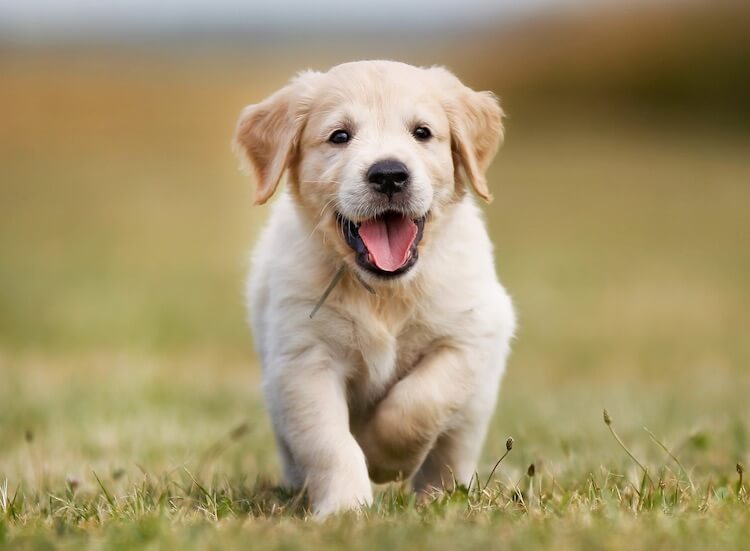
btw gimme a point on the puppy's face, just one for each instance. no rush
(376, 152)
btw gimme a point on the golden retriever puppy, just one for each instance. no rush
(397, 372)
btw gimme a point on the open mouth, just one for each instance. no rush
(385, 245)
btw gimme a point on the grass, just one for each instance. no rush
(180, 456)
(130, 413)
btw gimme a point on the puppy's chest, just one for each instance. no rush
(385, 351)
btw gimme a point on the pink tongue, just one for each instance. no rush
(389, 239)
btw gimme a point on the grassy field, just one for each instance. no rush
(130, 413)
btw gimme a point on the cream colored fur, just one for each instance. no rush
(403, 383)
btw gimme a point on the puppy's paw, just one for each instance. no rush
(340, 502)
(343, 495)
(390, 458)
(346, 488)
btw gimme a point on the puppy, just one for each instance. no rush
(397, 373)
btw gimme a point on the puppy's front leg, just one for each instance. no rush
(407, 422)
(308, 403)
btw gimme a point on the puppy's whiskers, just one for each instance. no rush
(322, 182)
(322, 217)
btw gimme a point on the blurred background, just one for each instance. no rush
(621, 217)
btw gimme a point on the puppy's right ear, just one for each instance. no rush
(268, 133)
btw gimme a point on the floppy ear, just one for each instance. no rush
(267, 134)
(476, 121)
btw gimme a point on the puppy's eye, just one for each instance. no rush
(422, 133)
(339, 137)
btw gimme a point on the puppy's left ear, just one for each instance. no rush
(476, 121)
(268, 133)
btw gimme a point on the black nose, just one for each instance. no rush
(389, 176)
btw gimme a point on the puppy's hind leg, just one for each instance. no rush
(452, 461)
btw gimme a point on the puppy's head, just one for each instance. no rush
(376, 151)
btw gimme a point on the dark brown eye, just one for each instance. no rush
(339, 137)
(422, 133)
